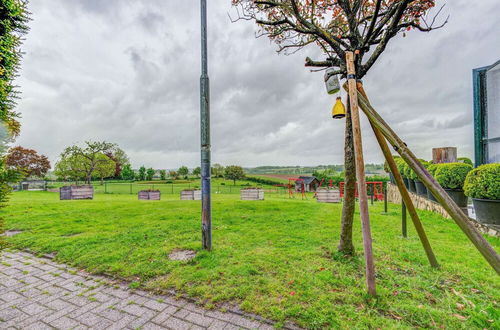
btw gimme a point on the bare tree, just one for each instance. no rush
(364, 27)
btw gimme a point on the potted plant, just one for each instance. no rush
(431, 168)
(388, 170)
(483, 186)
(401, 164)
(410, 176)
(451, 176)
(465, 160)
(419, 186)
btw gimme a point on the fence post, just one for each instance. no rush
(105, 187)
(403, 219)
(385, 198)
(130, 188)
(172, 188)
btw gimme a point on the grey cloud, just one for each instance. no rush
(128, 72)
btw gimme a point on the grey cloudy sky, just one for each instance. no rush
(127, 71)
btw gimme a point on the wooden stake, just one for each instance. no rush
(403, 220)
(406, 199)
(360, 174)
(441, 196)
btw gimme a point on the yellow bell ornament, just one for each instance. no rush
(338, 111)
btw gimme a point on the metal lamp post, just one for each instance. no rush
(206, 209)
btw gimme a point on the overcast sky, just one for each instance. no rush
(127, 71)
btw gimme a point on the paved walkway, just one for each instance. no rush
(37, 293)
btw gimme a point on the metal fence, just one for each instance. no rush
(487, 114)
(133, 188)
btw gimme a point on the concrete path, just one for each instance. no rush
(37, 293)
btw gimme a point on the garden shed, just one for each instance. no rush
(311, 183)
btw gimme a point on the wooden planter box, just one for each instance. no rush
(76, 192)
(252, 194)
(146, 195)
(191, 195)
(328, 196)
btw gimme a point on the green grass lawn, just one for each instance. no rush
(275, 258)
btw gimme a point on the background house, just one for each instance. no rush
(311, 183)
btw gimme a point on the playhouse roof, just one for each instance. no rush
(308, 179)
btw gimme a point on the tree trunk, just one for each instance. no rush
(345, 245)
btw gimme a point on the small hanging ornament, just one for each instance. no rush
(338, 111)
(331, 81)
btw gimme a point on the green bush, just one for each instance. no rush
(465, 160)
(409, 173)
(452, 175)
(431, 168)
(483, 182)
(401, 165)
(386, 166)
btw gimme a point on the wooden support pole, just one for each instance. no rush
(360, 174)
(385, 198)
(403, 220)
(406, 199)
(441, 196)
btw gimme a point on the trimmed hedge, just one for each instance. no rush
(483, 182)
(401, 164)
(452, 175)
(465, 160)
(269, 182)
(386, 165)
(409, 173)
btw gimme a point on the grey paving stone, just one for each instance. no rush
(217, 324)
(199, 319)
(38, 325)
(10, 296)
(134, 309)
(155, 305)
(33, 309)
(89, 319)
(64, 323)
(151, 326)
(47, 295)
(244, 322)
(175, 323)
(9, 313)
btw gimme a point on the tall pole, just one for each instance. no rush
(360, 174)
(206, 209)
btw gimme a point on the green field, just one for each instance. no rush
(275, 258)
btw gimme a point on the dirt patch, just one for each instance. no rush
(182, 255)
(10, 233)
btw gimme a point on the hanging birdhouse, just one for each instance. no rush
(331, 81)
(338, 111)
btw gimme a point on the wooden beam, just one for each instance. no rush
(406, 199)
(360, 174)
(441, 196)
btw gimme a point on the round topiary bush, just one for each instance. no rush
(483, 182)
(452, 175)
(431, 168)
(410, 174)
(465, 160)
(386, 165)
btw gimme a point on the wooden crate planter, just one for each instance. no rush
(76, 192)
(191, 195)
(252, 194)
(328, 196)
(146, 195)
